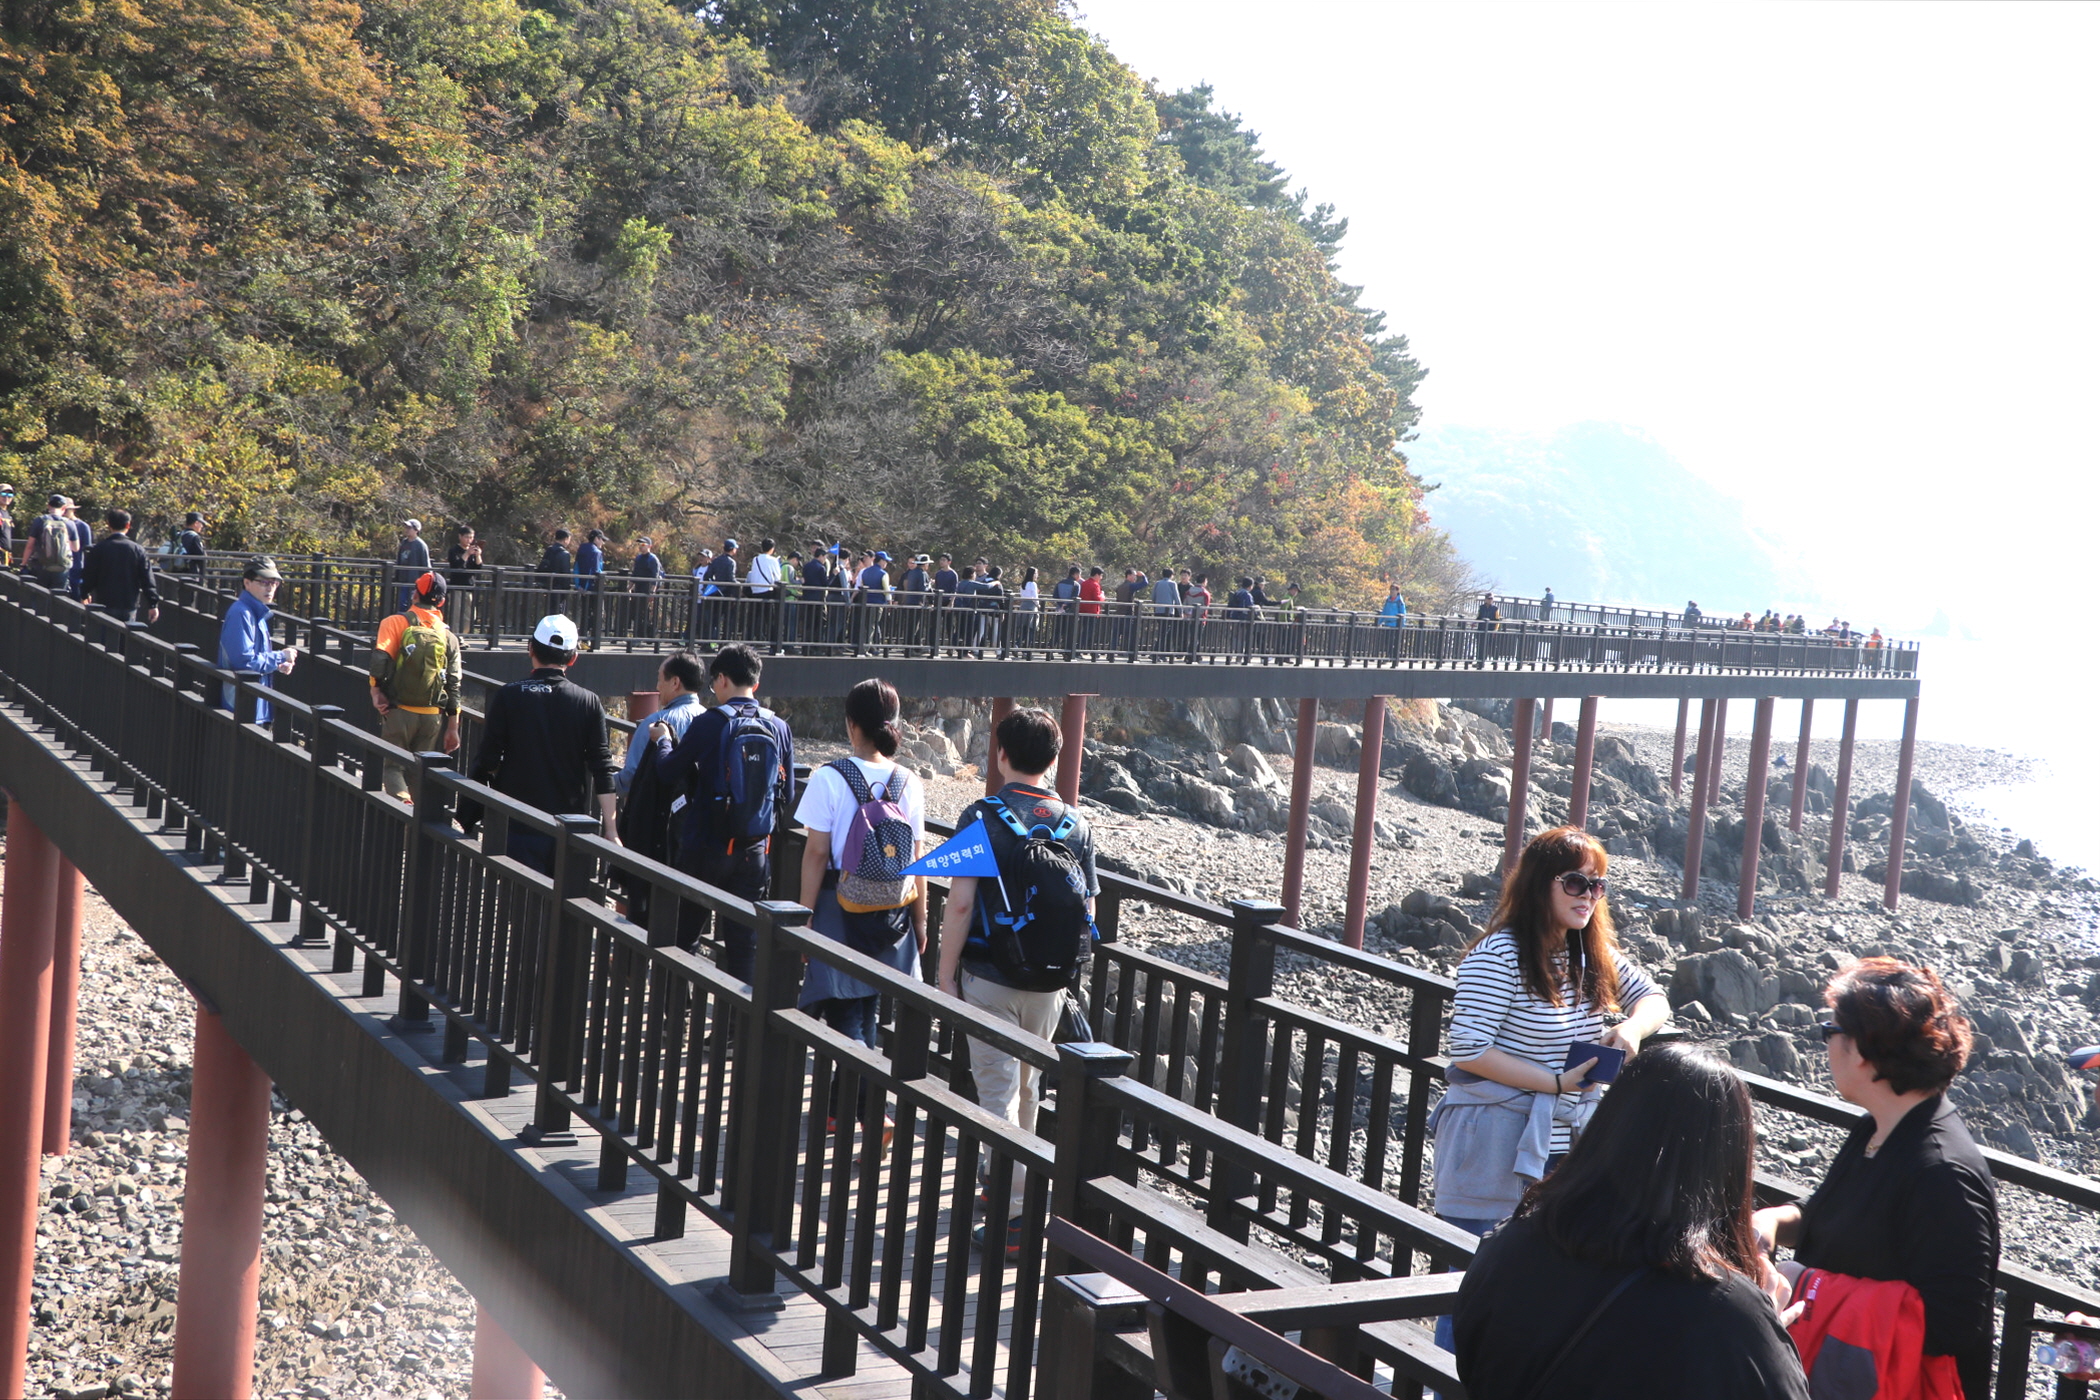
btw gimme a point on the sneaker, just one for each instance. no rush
(1013, 1240)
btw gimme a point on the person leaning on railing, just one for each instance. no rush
(244, 635)
(1537, 983)
(1909, 1197)
(1634, 1269)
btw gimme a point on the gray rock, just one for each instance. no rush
(1430, 779)
(1728, 982)
(2005, 1033)
(1246, 760)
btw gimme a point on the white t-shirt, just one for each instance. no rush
(827, 803)
(1029, 593)
(764, 572)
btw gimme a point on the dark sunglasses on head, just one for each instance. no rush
(1575, 885)
(1827, 1029)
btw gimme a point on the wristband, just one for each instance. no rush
(1556, 1085)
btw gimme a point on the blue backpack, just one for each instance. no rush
(750, 769)
(1043, 939)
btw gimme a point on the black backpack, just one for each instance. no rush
(1042, 940)
(645, 827)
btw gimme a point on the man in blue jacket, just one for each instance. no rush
(244, 637)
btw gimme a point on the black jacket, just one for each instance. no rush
(1923, 1210)
(545, 744)
(1664, 1338)
(558, 561)
(118, 575)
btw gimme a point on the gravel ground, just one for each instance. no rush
(352, 1305)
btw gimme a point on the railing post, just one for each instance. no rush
(2015, 1347)
(1077, 1310)
(320, 757)
(1087, 1129)
(433, 807)
(1244, 1034)
(766, 1074)
(556, 1040)
(495, 609)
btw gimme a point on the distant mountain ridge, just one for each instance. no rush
(1600, 512)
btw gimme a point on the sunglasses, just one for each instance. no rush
(1827, 1029)
(1576, 885)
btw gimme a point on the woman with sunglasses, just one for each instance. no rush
(1540, 980)
(1909, 1197)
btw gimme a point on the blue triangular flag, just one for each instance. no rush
(967, 852)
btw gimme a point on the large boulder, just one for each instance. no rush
(1430, 778)
(1246, 760)
(1336, 743)
(1727, 982)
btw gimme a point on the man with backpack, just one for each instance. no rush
(49, 558)
(730, 777)
(417, 675)
(189, 543)
(645, 804)
(1030, 930)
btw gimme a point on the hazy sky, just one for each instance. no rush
(1838, 259)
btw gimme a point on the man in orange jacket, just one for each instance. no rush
(417, 676)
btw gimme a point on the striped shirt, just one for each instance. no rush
(1495, 1010)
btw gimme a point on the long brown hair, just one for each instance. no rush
(1526, 910)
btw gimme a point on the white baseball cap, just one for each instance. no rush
(555, 632)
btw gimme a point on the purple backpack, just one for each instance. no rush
(878, 845)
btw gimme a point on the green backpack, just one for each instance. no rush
(419, 671)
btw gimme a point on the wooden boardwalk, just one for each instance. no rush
(784, 1346)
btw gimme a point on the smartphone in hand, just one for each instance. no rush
(1610, 1060)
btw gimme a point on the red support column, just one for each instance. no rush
(1754, 806)
(1702, 774)
(502, 1370)
(1899, 819)
(1800, 803)
(1002, 706)
(1841, 804)
(65, 999)
(1519, 787)
(1546, 721)
(1301, 803)
(1585, 759)
(1684, 710)
(640, 705)
(222, 1216)
(28, 908)
(1366, 813)
(1719, 749)
(1073, 726)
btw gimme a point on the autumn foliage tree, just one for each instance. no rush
(937, 274)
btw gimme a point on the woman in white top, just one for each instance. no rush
(885, 918)
(1026, 609)
(1540, 980)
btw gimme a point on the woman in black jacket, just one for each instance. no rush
(1909, 1196)
(1633, 1270)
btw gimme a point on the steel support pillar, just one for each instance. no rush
(28, 910)
(1684, 711)
(1002, 706)
(1702, 774)
(1585, 760)
(1301, 804)
(1899, 818)
(1754, 806)
(1366, 813)
(65, 1000)
(1800, 803)
(222, 1217)
(1718, 750)
(1546, 721)
(502, 1370)
(1519, 787)
(1841, 804)
(1072, 724)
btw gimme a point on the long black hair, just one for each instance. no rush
(1662, 1176)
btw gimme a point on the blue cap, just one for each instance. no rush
(728, 546)
(882, 556)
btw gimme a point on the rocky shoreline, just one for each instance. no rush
(353, 1305)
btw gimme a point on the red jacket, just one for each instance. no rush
(1868, 1339)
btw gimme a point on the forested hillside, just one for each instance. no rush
(924, 274)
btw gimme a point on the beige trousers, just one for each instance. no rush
(414, 732)
(1005, 1086)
